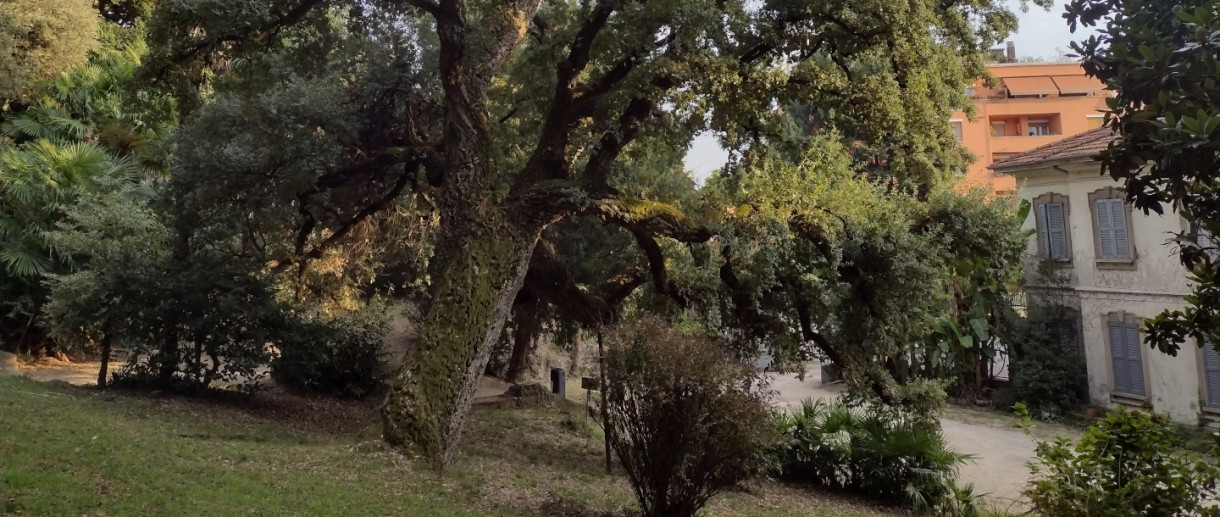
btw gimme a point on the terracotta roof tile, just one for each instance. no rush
(1084, 144)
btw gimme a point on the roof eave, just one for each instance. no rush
(1041, 164)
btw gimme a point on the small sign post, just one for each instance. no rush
(588, 384)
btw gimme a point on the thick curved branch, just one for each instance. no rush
(502, 29)
(550, 157)
(656, 265)
(630, 123)
(302, 256)
(549, 280)
(427, 6)
(650, 217)
(260, 33)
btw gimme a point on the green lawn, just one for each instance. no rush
(73, 451)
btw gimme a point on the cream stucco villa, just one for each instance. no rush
(1116, 269)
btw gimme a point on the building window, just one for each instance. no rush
(997, 128)
(1126, 356)
(1211, 376)
(1039, 127)
(970, 91)
(1095, 121)
(957, 129)
(1205, 240)
(1112, 234)
(1054, 239)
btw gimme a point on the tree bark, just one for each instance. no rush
(524, 339)
(430, 397)
(104, 369)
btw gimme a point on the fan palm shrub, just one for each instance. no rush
(877, 453)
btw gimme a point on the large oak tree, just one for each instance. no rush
(506, 117)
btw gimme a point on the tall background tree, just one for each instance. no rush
(40, 39)
(309, 120)
(70, 123)
(1160, 60)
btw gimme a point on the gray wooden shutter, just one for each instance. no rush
(1043, 232)
(1118, 358)
(1135, 360)
(1057, 230)
(1118, 224)
(1105, 229)
(1211, 375)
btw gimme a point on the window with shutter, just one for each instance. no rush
(1135, 360)
(1113, 235)
(1044, 243)
(1057, 230)
(1105, 229)
(1052, 231)
(1118, 221)
(1211, 375)
(1118, 358)
(1126, 360)
(1207, 241)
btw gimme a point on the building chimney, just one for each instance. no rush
(1012, 51)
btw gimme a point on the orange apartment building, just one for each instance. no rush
(1034, 104)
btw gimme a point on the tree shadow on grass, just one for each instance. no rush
(312, 414)
(537, 435)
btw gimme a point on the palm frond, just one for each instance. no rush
(24, 263)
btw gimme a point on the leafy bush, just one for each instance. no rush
(875, 453)
(339, 355)
(186, 323)
(1131, 463)
(191, 325)
(1047, 370)
(687, 420)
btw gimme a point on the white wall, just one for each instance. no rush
(1172, 382)
(1156, 282)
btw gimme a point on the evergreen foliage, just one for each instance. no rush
(1131, 463)
(875, 453)
(39, 39)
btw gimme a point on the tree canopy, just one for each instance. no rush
(40, 39)
(515, 168)
(316, 124)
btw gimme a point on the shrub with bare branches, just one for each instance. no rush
(687, 419)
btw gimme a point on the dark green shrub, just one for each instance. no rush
(1047, 370)
(338, 356)
(1131, 463)
(687, 419)
(879, 454)
(189, 326)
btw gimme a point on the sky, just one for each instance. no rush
(1040, 34)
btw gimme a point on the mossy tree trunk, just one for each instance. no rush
(431, 395)
(483, 251)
